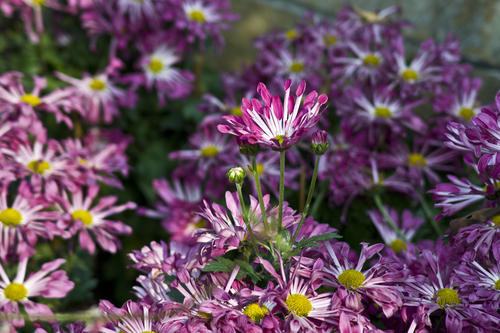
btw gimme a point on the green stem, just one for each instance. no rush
(388, 217)
(428, 213)
(309, 197)
(259, 193)
(244, 210)
(319, 198)
(282, 190)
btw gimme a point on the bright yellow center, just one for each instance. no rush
(496, 219)
(155, 65)
(197, 15)
(383, 112)
(199, 224)
(236, 111)
(398, 245)
(417, 160)
(466, 113)
(38, 2)
(329, 40)
(82, 215)
(31, 100)
(256, 312)
(82, 161)
(296, 67)
(371, 60)
(11, 217)
(280, 138)
(145, 331)
(39, 166)
(291, 34)
(205, 315)
(447, 296)
(209, 151)
(15, 291)
(409, 75)
(299, 304)
(497, 285)
(97, 84)
(351, 278)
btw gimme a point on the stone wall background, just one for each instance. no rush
(476, 23)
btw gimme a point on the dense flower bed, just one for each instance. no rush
(395, 145)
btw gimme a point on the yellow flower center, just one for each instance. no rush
(197, 15)
(145, 331)
(497, 285)
(371, 60)
(155, 65)
(383, 112)
(97, 84)
(398, 245)
(418, 160)
(280, 138)
(82, 161)
(296, 67)
(291, 34)
(11, 217)
(82, 215)
(466, 113)
(409, 75)
(15, 291)
(209, 151)
(236, 111)
(38, 2)
(205, 315)
(299, 304)
(256, 312)
(31, 100)
(447, 296)
(496, 219)
(329, 40)
(199, 224)
(39, 166)
(351, 278)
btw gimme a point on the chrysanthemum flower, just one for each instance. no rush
(363, 64)
(482, 237)
(46, 283)
(132, 317)
(276, 125)
(83, 218)
(139, 9)
(461, 102)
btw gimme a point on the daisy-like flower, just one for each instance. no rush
(461, 102)
(376, 283)
(23, 221)
(132, 317)
(47, 283)
(276, 125)
(159, 70)
(364, 64)
(81, 217)
(139, 9)
(98, 94)
(408, 224)
(481, 237)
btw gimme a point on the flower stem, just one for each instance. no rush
(259, 193)
(388, 217)
(282, 190)
(428, 213)
(309, 198)
(244, 210)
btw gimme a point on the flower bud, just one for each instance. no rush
(236, 175)
(319, 142)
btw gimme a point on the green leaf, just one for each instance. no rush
(313, 241)
(247, 269)
(220, 264)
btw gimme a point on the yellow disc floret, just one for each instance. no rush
(371, 60)
(39, 166)
(31, 100)
(497, 285)
(236, 111)
(97, 84)
(329, 40)
(197, 15)
(209, 151)
(256, 312)
(409, 74)
(466, 113)
(299, 304)
(155, 65)
(291, 34)
(447, 296)
(11, 217)
(351, 278)
(418, 160)
(382, 112)
(296, 67)
(496, 219)
(39, 2)
(82, 215)
(398, 245)
(15, 291)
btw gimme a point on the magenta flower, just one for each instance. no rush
(132, 317)
(276, 125)
(82, 217)
(46, 283)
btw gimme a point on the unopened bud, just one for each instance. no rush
(236, 175)
(319, 142)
